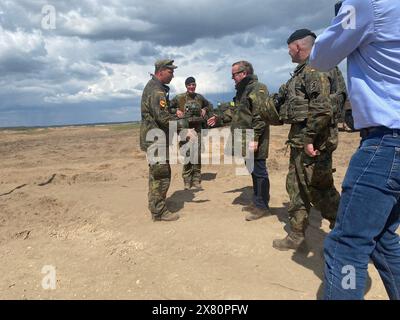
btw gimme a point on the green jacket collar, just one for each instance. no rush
(160, 84)
(246, 81)
(301, 67)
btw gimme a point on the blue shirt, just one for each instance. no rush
(371, 43)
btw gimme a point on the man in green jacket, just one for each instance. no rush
(251, 96)
(155, 123)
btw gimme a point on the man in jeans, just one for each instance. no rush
(251, 96)
(367, 33)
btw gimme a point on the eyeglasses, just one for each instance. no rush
(236, 73)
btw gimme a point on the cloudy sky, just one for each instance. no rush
(92, 61)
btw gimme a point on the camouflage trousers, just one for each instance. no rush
(191, 171)
(159, 181)
(310, 183)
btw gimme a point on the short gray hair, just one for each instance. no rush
(245, 66)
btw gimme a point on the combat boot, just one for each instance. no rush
(187, 183)
(168, 216)
(196, 184)
(292, 241)
(256, 213)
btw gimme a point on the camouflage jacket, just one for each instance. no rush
(311, 102)
(155, 113)
(184, 99)
(340, 96)
(251, 96)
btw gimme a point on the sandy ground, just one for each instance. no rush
(75, 199)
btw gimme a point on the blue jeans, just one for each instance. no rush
(260, 184)
(367, 220)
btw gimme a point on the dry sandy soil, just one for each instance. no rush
(76, 199)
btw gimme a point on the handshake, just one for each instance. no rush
(211, 122)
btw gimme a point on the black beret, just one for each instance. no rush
(190, 80)
(300, 34)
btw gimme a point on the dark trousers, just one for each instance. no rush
(260, 184)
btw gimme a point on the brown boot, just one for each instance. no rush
(168, 216)
(256, 213)
(292, 241)
(249, 207)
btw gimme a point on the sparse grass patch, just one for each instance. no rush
(125, 126)
(26, 130)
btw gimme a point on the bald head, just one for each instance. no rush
(300, 49)
(306, 43)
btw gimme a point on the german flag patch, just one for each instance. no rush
(163, 103)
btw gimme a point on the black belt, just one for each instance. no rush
(381, 130)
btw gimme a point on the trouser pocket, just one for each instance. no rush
(160, 171)
(393, 181)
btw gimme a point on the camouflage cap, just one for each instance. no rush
(300, 34)
(164, 63)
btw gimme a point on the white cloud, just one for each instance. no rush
(102, 52)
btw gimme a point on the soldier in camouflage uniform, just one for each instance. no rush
(244, 113)
(155, 115)
(309, 102)
(195, 110)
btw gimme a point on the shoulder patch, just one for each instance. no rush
(163, 103)
(314, 87)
